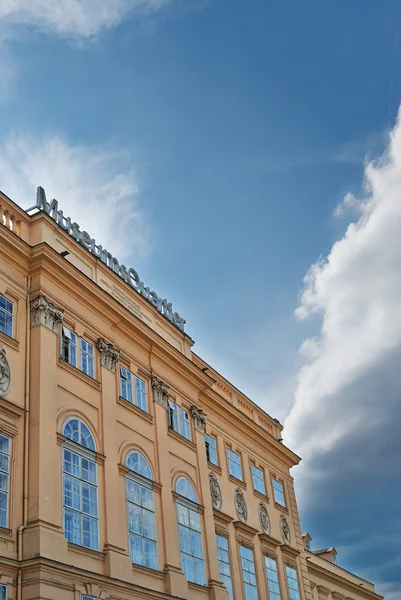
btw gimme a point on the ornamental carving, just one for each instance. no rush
(160, 391)
(200, 418)
(215, 491)
(108, 354)
(45, 313)
(285, 530)
(240, 505)
(5, 374)
(264, 518)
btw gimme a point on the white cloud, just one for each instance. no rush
(344, 420)
(72, 18)
(96, 187)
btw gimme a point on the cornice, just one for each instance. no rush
(340, 579)
(268, 542)
(245, 530)
(221, 517)
(289, 552)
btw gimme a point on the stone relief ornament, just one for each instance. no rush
(160, 391)
(5, 374)
(215, 491)
(264, 518)
(200, 418)
(240, 505)
(108, 354)
(45, 313)
(285, 530)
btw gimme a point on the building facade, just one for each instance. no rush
(129, 468)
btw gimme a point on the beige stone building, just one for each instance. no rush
(129, 468)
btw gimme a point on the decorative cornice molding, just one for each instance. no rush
(5, 373)
(45, 313)
(160, 391)
(221, 517)
(200, 419)
(108, 354)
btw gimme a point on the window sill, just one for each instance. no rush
(147, 571)
(237, 481)
(181, 438)
(135, 409)
(5, 532)
(261, 496)
(214, 467)
(281, 507)
(86, 551)
(75, 371)
(198, 586)
(10, 341)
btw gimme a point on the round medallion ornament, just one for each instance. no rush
(240, 505)
(215, 491)
(285, 530)
(264, 518)
(5, 375)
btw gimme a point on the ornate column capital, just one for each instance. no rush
(45, 313)
(5, 374)
(108, 354)
(200, 418)
(160, 391)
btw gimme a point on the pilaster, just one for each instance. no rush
(218, 590)
(44, 535)
(118, 563)
(176, 583)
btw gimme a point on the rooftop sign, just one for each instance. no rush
(130, 276)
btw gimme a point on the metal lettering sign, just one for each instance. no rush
(130, 276)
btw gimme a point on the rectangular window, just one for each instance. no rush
(4, 479)
(224, 564)
(140, 393)
(126, 384)
(278, 491)
(292, 581)
(69, 346)
(258, 480)
(142, 524)
(3, 592)
(272, 578)
(85, 597)
(248, 573)
(6, 317)
(87, 361)
(211, 450)
(189, 529)
(234, 464)
(178, 420)
(80, 500)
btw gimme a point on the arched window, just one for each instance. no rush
(80, 504)
(189, 529)
(141, 511)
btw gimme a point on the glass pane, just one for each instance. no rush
(90, 533)
(72, 496)
(89, 500)
(4, 444)
(72, 526)
(88, 470)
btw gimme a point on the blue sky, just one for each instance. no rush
(229, 132)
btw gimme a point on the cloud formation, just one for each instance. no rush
(347, 409)
(97, 187)
(72, 18)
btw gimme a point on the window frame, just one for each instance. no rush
(207, 447)
(246, 583)
(77, 343)
(261, 477)
(147, 483)
(7, 474)
(226, 538)
(5, 588)
(282, 492)
(272, 595)
(192, 507)
(88, 454)
(293, 568)
(9, 314)
(230, 460)
(90, 358)
(175, 415)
